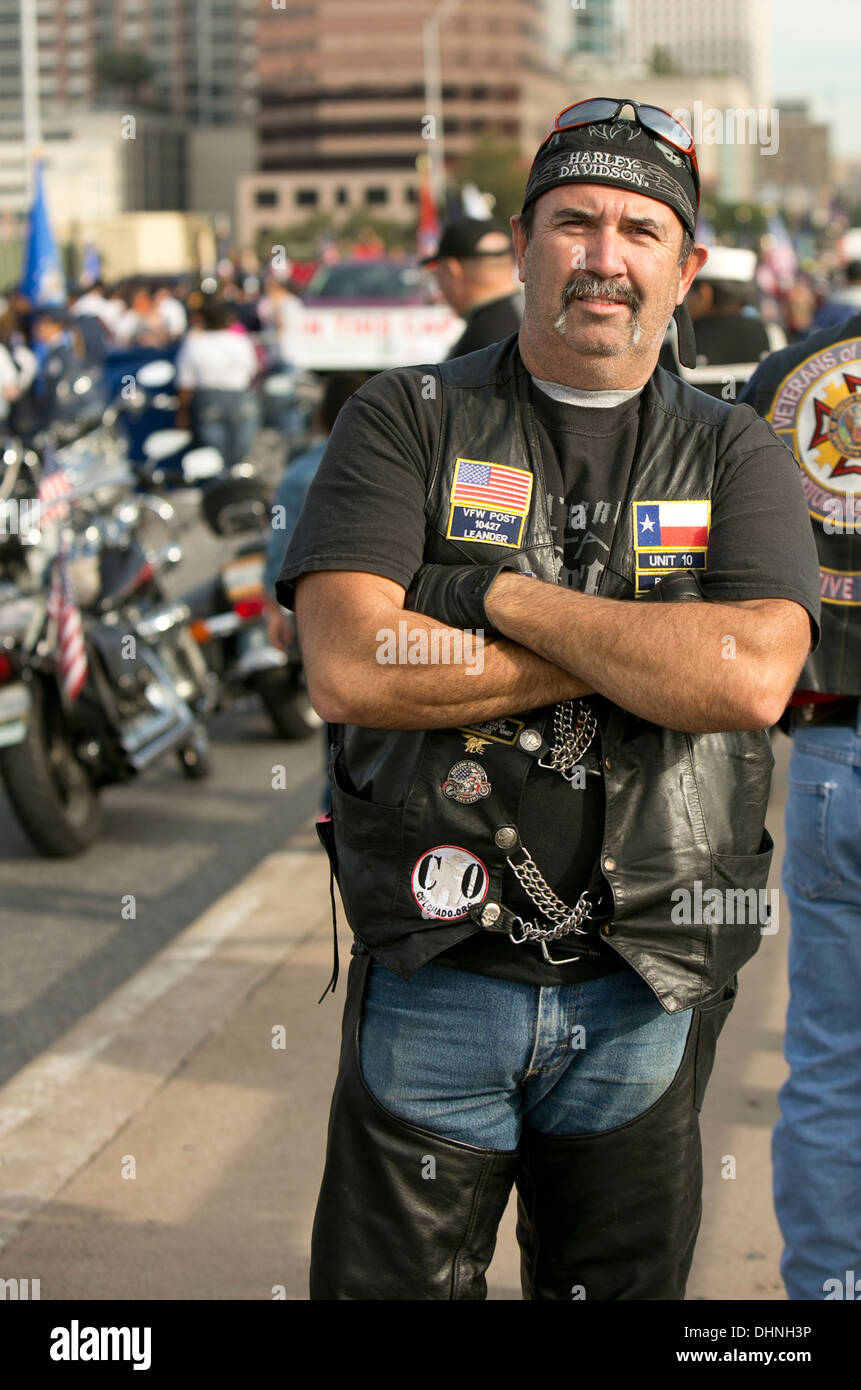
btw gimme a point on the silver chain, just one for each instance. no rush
(570, 740)
(537, 889)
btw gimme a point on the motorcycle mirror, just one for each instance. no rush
(205, 462)
(161, 444)
(154, 376)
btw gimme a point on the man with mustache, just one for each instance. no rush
(530, 999)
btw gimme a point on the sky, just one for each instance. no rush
(816, 55)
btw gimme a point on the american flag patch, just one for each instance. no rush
(493, 485)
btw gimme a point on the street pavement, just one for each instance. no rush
(169, 1144)
(68, 933)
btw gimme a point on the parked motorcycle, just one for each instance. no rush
(91, 590)
(228, 609)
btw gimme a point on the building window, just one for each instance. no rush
(305, 197)
(411, 194)
(266, 197)
(376, 195)
(342, 197)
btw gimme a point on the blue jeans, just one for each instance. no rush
(816, 1146)
(474, 1058)
(226, 421)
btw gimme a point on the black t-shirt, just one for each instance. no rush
(365, 511)
(488, 323)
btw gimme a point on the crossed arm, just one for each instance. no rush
(669, 663)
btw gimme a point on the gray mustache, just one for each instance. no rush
(593, 287)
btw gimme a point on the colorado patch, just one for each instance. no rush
(668, 537)
(488, 502)
(446, 881)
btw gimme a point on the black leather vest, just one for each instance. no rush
(816, 410)
(681, 809)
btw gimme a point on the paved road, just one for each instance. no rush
(179, 1070)
(174, 845)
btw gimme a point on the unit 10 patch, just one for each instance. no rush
(669, 537)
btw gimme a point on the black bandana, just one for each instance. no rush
(621, 154)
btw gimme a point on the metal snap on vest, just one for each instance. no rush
(530, 740)
(490, 914)
(506, 837)
(609, 865)
(607, 764)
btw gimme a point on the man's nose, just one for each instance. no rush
(604, 253)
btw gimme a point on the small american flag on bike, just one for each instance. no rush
(72, 651)
(54, 483)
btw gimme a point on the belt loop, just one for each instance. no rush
(858, 720)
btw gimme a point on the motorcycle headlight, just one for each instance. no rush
(16, 617)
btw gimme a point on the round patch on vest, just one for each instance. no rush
(447, 880)
(467, 782)
(817, 412)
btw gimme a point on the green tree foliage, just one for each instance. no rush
(662, 63)
(120, 67)
(495, 167)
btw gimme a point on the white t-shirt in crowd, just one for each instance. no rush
(216, 360)
(97, 306)
(8, 377)
(172, 314)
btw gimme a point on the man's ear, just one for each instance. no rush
(695, 262)
(519, 238)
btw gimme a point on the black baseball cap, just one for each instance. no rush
(471, 237)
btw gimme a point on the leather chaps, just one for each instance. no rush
(404, 1214)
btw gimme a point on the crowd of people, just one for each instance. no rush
(739, 307)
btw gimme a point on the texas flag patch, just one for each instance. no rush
(668, 537)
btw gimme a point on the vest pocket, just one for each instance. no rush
(367, 842)
(365, 824)
(741, 910)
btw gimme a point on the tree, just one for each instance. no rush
(121, 67)
(495, 167)
(663, 64)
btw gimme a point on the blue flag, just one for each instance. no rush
(92, 266)
(43, 281)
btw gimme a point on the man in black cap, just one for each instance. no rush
(474, 266)
(553, 860)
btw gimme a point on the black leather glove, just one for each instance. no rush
(684, 587)
(455, 594)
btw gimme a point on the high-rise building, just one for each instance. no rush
(203, 52)
(727, 39)
(799, 176)
(202, 76)
(594, 32)
(343, 96)
(203, 55)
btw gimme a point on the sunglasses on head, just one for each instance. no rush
(652, 118)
